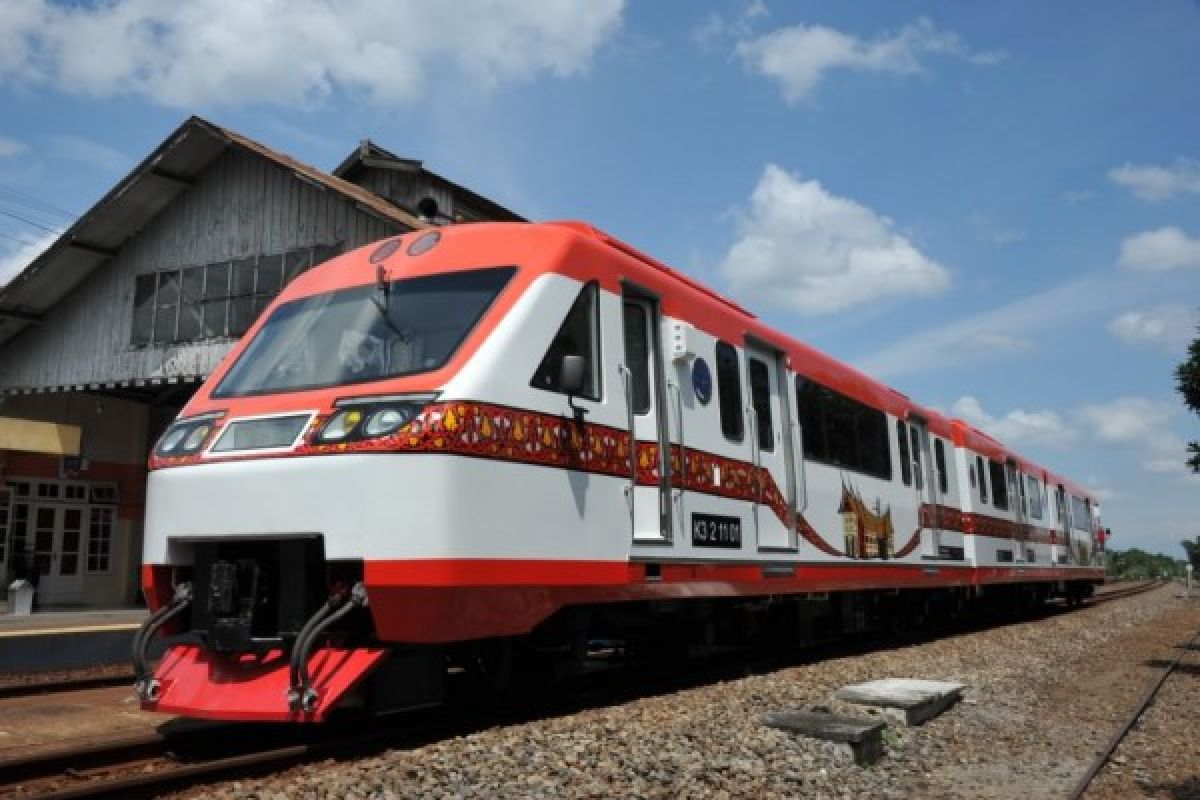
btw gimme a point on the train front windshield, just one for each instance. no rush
(364, 333)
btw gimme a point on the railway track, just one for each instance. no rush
(1123, 730)
(55, 685)
(195, 753)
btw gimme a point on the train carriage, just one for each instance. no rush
(480, 433)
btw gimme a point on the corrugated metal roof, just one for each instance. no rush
(138, 198)
(368, 154)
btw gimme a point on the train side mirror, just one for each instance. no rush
(570, 381)
(570, 375)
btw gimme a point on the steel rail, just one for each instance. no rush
(1123, 731)
(86, 767)
(57, 685)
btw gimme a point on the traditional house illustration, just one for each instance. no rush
(869, 534)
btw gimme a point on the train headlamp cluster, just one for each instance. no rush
(186, 437)
(371, 417)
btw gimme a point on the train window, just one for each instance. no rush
(999, 485)
(359, 334)
(579, 336)
(637, 355)
(918, 466)
(1035, 497)
(843, 432)
(760, 398)
(729, 391)
(939, 458)
(1081, 516)
(982, 478)
(905, 458)
(971, 475)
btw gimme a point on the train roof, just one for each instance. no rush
(691, 300)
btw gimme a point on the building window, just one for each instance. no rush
(760, 398)
(905, 456)
(843, 432)
(99, 542)
(729, 391)
(578, 336)
(214, 301)
(939, 459)
(999, 485)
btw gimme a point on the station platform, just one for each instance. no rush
(55, 640)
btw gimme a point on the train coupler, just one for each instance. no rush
(301, 695)
(145, 685)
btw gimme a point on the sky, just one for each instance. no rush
(993, 207)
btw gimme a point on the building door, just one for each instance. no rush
(650, 446)
(6, 510)
(775, 504)
(57, 550)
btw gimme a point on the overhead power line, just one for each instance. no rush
(30, 222)
(37, 203)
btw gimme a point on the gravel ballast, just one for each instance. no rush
(1042, 698)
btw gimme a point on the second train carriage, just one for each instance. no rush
(465, 433)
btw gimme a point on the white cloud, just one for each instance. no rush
(802, 248)
(1160, 250)
(1142, 425)
(86, 151)
(1154, 183)
(10, 147)
(800, 56)
(20, 255)
(1045, 427)
(228, 52)
(1171, 326)
(717, 26)
(986, 336)
(992, 231)
(1125, 420)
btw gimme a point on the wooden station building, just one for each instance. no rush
(105, 335)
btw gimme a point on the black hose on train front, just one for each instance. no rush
(301, 695)
(146, 687)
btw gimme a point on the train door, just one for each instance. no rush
(769, 417)
(1016, 499)
(642, 374)
(925, 482)
(1064, 525)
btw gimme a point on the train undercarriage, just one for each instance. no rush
(268, 629)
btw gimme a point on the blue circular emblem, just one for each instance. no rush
(702, 381)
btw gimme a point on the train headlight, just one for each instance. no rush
(172, 439)
(387, 420)
(196, 437)
(340, 425)
(372, 417)
(186, 437)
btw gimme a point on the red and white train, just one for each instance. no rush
(459, 442)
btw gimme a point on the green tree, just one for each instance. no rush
(1193, 552)
(1187, 375)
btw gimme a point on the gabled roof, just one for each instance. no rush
(369, 155)
(173, 167)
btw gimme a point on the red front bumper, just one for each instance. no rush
(197, 683)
